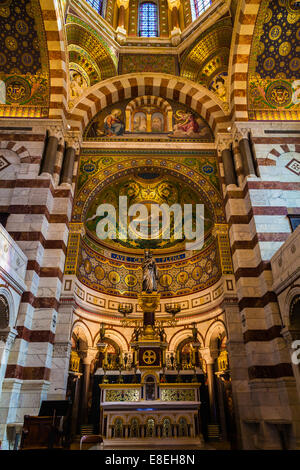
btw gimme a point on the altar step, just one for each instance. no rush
(213, 432)
(86, 430)
(153, 442)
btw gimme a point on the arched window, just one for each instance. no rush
(98, 5)
(198, 7)
(148, 23)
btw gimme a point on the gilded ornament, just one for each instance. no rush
(275, 32)
(182, 277)
(292, 18)
(268, 15)
(17, 90)
(11, 43)
(294, 64)
(99, 273)
(114, 277)
(197, 273)
(284, 48)
(269, 63)
(149, 357)
(130, 280)
(279, 93)
(88, 266)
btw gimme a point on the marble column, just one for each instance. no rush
(174, 6)
(85, 390)
(246, 154)
(68, 165)
(7, 339)
(50, 152)
(121, 32)
(228, 164)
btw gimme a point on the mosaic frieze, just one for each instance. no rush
(159, 63)
(179, 278)
(274, 87)
(23, 60)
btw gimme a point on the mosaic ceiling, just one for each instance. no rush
(274, 85)
(114, 266)
(23, 59)
(206, 61)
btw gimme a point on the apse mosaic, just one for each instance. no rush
(148, 119)
(115, 268)
(23, 59)
(150, 189)
(274, 85)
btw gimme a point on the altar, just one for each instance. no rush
(151, 410)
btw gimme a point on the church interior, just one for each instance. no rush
(134, 342)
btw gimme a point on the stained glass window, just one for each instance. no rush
(98, 5)
(148, 24)
(198, 7)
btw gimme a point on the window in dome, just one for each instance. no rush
(148, 24)
(98, 5)
(198, 7)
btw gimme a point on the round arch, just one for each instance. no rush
(116, 337)
(214, 329)
(12, 314)
(166, 86)
(79, 324)
(182, 335)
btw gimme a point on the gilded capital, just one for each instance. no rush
(123, 3)
(173, 3)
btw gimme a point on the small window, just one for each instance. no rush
(198, 7)
(148, 23)
(97, 5)
(294, 221)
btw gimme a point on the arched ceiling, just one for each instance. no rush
(209, 55)
(88, 50)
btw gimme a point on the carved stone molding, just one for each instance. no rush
(73, 140)
(224, 141)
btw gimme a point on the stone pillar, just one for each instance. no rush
(75, 405)
(85, 390)
(228, 164)
(121, 32)
(207, 356)
(7, 339)
(50, 153)
(246, 154)
(72, 146)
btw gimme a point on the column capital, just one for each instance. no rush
(8, 336)
(123, 3)
(240, 132)
(56, 131)
(206, 354)
(224, 141)
(73, 140)
(174, 4)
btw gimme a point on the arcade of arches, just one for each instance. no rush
(162, 102)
